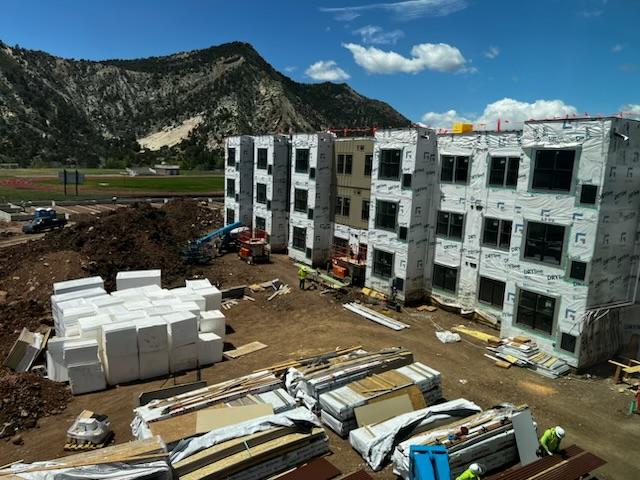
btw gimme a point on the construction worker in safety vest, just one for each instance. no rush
(550, 441)
(302, 274)
(474, 472)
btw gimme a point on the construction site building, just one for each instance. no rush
(238, 174)
(271, 188)
(537, 229)
(351, 191)
(403, 192)
(310, 226)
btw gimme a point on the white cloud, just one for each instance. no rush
(631, 110)
(376, 35)
(290, 68)
(591, 13)
(512, 114)
(617, 48)
(405, 10)
(425, 56)
(326, 71)
(444, 119)
(492, 52)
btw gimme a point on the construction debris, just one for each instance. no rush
(446, 336)
(485, 337)
(375, 316)
(527, 354)
(244, 350)
(89, 431)
(26, 349)
(282, 290)
(426, 308)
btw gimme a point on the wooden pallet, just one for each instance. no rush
(75, 446)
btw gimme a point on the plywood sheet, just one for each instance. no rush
(526, 438)
(384, 410)
(245, 350)
(318, 469)
(214, 418)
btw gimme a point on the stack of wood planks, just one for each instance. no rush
(523, 352)
(257, 455)
(374, 316)
(143, 459)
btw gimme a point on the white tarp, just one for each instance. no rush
(375, 442)
(158, 470)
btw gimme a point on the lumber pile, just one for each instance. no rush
(309, 380)
(255, 387)
(419, 385)
(487, 438)
(374, 316)
(141, 459)
(523, 352)
(139, 331)
(375, 442)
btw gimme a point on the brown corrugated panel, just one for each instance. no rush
(318, 469)
(359, 475)
(523, 473)
(574, 469)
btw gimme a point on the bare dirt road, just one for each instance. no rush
(592, 410)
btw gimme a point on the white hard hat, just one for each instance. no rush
(476, 468)
(560, 432)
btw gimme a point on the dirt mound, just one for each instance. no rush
(25, 398)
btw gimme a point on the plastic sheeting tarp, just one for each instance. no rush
(299, 417)
(375, 442)
(158, 470)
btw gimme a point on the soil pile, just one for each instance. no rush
(26, 397)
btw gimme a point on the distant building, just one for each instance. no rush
(167, 170)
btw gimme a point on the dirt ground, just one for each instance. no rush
(591, 409)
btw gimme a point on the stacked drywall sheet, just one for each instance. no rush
(376, 442)
(254, 386)
(278, 442)
(338, 406)
(529, 355)
(487, 438)
(410, 192)
(141, 332)
(137, 278)
(308, 382)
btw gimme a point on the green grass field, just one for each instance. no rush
(36, 186)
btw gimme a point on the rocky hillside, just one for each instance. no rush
(54, 109)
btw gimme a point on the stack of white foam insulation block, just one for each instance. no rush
(137, 332)
(338, 406)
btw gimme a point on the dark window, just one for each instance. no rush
(231, 216)
(270, 170)
(365, 210)
(308, 252)
(341, 245)
(497, 233)
(536, 311)
(544, 242)
(389, 165)
(450, 225)
(300, 200)
(343, 206)
(406, 180)
(261, 193)
(268, 204)
(368, 165)
(310, 214)
(302, 160)
(398, 283)
(231, 157)
(312, 173)
(491, 291)
(568, 342)
(503, 171)
(553, 170)
(231, 187)
(588, 194)
(402, 233)
(261, 223)
(454, 169)
(382, 263)
(445, 277)
(578, 270)
(262, 158)
(299, 241)
(345, 164)
(386, 215)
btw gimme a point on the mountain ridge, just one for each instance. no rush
(90, 113)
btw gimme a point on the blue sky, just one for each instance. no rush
(435, 61)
